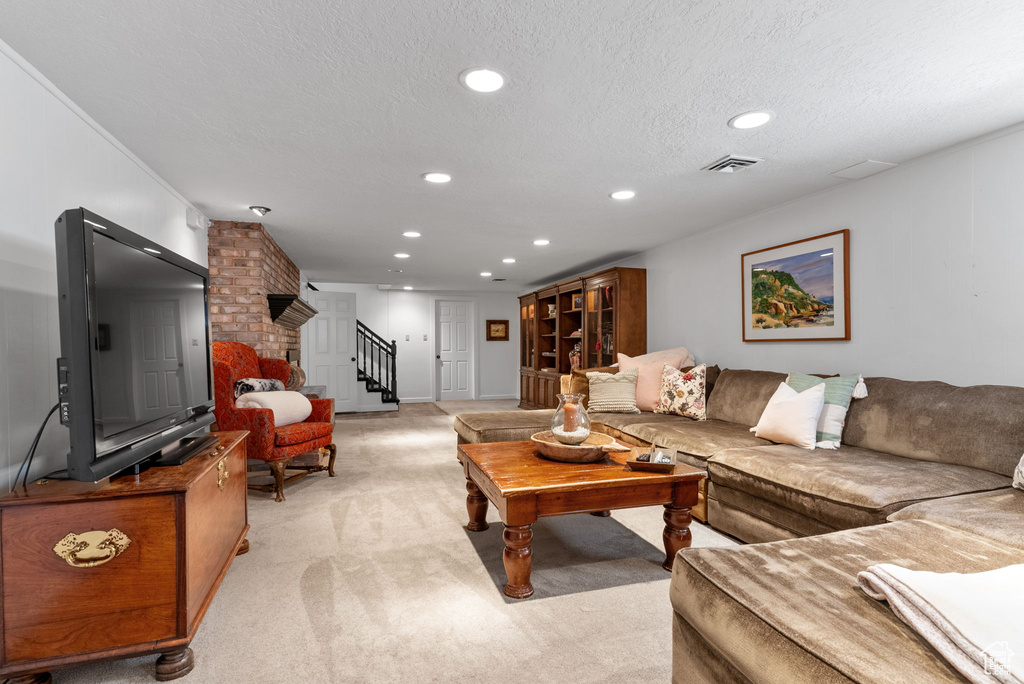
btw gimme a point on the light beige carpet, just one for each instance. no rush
(371, 577)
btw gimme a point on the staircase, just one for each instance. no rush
(375, 363)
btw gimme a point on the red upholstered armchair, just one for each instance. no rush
(233, 361)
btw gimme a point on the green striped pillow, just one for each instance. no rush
(838, 392)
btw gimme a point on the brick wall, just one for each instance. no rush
(245, 266)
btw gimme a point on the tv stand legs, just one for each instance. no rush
(37, 678)
(243, 548)
(174, 664)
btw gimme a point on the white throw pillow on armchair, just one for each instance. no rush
(791, 417)
(288, 407)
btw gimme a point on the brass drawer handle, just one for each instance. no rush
(222, 472)
(89, 549)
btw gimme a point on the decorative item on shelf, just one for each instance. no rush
(497, 331)
(570, 423)
(577, 302)
(551, 310)
(609, 302)
(575, 357)
(578, 333)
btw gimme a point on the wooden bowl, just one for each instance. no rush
(592, 449)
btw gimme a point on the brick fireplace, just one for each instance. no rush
(246, 265)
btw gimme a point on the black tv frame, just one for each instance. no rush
(93, 458)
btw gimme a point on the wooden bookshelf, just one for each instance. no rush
(609, 308)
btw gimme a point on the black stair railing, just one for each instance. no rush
(375, 363)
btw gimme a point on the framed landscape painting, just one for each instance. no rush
(798, 291)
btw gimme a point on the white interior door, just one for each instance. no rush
(456, 375)
(330, 356)
(157, 356)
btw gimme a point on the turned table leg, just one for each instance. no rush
(518, 561)
(174, 664)
(37, 678)
(677, 533)
(476, 504)
(333, 449)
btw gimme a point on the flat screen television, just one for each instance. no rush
(135, 374)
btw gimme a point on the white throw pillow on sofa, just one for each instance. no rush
(1018, 475)
(791, 417)
(288, 407)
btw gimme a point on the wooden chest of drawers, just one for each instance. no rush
(119, 568)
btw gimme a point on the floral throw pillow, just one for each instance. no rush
(682, 392)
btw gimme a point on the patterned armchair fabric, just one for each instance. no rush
(233, 361)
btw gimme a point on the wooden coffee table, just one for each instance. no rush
(524, 486)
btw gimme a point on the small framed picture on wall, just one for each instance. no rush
(497, 331)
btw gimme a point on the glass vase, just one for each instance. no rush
(570, 423)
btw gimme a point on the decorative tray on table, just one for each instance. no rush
(592, 449)
(655, 459)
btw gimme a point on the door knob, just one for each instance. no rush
(438, 357)
(352, 359)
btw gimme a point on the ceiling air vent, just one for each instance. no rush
(731, 163)
(498, 280)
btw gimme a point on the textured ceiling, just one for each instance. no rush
(329, 111)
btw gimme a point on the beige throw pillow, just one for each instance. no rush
(288, 407)
(1018, 475)
(683, 392)
(791, 417)
(613, 393)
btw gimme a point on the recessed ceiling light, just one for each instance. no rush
(401, 255)
(395, 270)
(437, 177)
(411, 233)
(260, 211)
(541, 243)
(508, 260)
(750, 119)
(151, 250)
(623, 194)
(407, 287)
(486, 274)
(482, 80)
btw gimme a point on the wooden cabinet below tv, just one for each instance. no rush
(605, 313)
(119, 568)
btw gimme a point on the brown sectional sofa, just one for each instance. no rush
(934, 460)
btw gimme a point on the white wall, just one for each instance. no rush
(937, 261)
(393, 314)
(55, 158)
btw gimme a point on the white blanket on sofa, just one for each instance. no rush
(975, 621)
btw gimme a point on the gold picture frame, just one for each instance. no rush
(497, 331)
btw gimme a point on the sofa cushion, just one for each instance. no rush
(297, 433)
(980, 426)
(501, 426)
(752, 519)
(740, 396)
(791, 611)
(649, 367)
(997, 514)
(848, 487)
(695, 440)
(579, 384)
